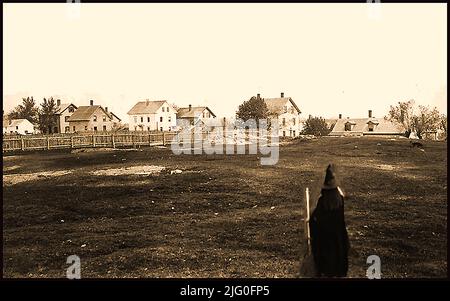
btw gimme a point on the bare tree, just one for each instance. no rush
(443, 124)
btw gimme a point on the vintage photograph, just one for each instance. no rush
(224, 140)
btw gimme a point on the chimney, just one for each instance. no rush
(147, 102)
(106, 109)
(58, 102)
(258, 96)
(190, 108)
(370, 113)
(340, 116)
(91, 102)
(282, 94)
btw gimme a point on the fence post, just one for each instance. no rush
(93, 140)
(132, 140)
(71, 141)
(308, 235)
(113, 142)
(150, 139)
(48, 142)
(164, 139)
(22, 144)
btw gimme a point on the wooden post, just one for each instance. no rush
(112, 141)
(22, 144)
(48, 142)
(132, 140)
(93, 140)
(71, 141)
(308, 234)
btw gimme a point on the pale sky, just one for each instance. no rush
(330, 58)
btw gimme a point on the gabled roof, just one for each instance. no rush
(64, 106)
(194, 112)
(361, 125)
(16, 122)
(111, 115)
(276, 105)
(84, 113)
(146, 107)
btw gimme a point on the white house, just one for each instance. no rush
(193, 115)
(65, 110)
(18, 126)
(366, 126)
(152, 116)
(288, 114)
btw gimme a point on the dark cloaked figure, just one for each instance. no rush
(329, 239)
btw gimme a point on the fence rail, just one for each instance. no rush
(80, 141)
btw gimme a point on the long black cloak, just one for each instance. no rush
(329, 238)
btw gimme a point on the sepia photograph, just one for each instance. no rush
(224, 141)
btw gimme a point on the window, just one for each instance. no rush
(74, 128)
(148, 128)
(161, 129)
(170, 118)
(55, 129)
(17, 127)
(104, 128)
(163, 109)
(135, 119)
(66, 119)
(85, 127)
(284, 134)
(293, 133)
(148, 119)
(142, 119)
(167, 110)
(284, 121)
(285, 109)
(203, 114)
(370, 129)
(71, 109)
(293, 121)
(160, 119)
(66, 129)
(104, 118)
(95, 129)
(348, 126)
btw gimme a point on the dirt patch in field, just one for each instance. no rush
(14, 179)
(10, 168)
(133, 170)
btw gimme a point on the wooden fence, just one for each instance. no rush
(25, 143)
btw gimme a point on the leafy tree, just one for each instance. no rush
(403, 113)
(316, 126)
(420, 120)
(254, 108)
(26, 110)
(47, 115)
(426, 120)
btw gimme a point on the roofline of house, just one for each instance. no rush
(163, 101)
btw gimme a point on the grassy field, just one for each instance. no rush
(222, 216)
